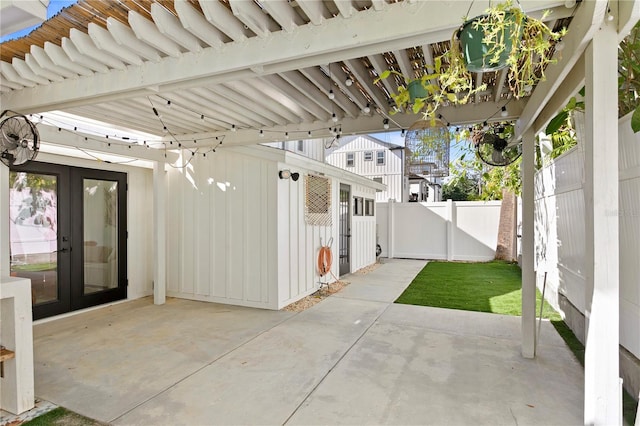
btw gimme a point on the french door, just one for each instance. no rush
(68, 235)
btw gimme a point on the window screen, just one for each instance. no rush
(317, 200)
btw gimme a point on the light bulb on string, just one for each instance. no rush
(334, 118)
(385, 123)
(261, 134)
(503, 111)
(233, 127)
(367, 109)
(348, 82)
(168, 104)
(331, 94)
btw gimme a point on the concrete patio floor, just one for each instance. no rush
(354, 358)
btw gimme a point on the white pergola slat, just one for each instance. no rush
(60, 58)
(311, 91)
(86, 46)
(126, 38)
(25, 72)
(45, 62)
(241, 116)
(32, 63)
(10, 74)
(339, 77)
(252, 16)
(86, 61)
(345, 7)
(323, 83)
(283, 14)
(170, 26)
(197, 24)
(149, 33)
(105, 41)
(222, 18)
(314, 9)
(316, 113)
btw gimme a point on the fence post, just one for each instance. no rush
(452, 219)
(390, 233)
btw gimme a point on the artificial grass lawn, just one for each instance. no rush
(62, 417)
(493, 287)
(484, 287)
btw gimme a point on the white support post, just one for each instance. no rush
(451, 227)
(4, 221)
(528, 247)
(159, 233)
(390, 227)
(602, 394)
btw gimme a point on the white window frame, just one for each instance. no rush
(368, 156)
(350, 159)
(378, 158)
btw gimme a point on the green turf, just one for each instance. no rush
(34, 267)
(62, 417)
(484, 287)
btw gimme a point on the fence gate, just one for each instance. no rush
(345, 229)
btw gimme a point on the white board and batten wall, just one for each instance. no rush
(237, 233)
(560, 231)
(450, 230)
(364, 151)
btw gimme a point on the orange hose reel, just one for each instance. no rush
(325, 258)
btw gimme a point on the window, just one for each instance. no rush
(379, 180)
(368, 156)
(368, 207)
(380, 158)
(357, 206)
(300, 145)
(349, 159)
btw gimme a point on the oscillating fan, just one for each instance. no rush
(494, 150)
(19, 139)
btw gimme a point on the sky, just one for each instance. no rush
(54, 7)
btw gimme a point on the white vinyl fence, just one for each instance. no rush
(462, 230)
(560, 232)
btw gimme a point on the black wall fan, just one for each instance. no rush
(19, 139)
(495, 150)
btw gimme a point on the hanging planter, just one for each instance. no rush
(416, 90)
(487, 41)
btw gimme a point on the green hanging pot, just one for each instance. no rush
(476, 53)
(416, 90)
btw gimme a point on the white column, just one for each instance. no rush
(602, 393)
(159, 233)
(528, 247)
(390, 227)
(4, 221)
(451, 227)
(17, 385)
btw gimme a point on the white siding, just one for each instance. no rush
(221, 230)
(462, 230)
(560, 231)
(391, 172)
(237, 233)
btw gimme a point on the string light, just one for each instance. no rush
(202, 117)
(334, 118)
(367, 109)
(385, 123)
(261, 133)
(402, 133)
(168, 104)
(233, 127)
(503, 111)
(331, 94)
(348, 82)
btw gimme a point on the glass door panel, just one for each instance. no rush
(100, 208)
(33, 212)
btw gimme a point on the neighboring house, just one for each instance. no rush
(310, 148)
(422, 189)
(383, 162)
(374, 159)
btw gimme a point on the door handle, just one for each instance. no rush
(63, 250)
